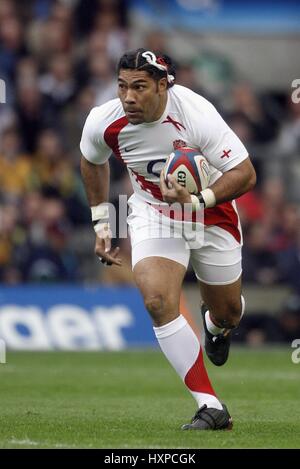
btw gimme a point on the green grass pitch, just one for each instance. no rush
(133, 399)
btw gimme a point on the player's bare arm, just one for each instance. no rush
(235, 182)
(96, 183)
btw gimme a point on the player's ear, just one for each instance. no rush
(162, 85)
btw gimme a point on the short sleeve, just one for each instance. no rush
(218, 143)
(92, 144)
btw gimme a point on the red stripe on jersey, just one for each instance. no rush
(111, 135)
(197, 379)
(148, 186)
(224, 216)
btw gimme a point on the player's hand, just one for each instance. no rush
(175, 192)
(103, 249)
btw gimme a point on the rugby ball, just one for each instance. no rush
(190, 168)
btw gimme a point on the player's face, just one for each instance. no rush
(143, 98)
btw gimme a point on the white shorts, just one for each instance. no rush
(214, 251)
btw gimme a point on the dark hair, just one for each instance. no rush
(133, 60)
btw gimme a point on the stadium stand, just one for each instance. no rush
(58, 59)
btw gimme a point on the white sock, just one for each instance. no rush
(211, 327)
(215, 330)
(181, 346)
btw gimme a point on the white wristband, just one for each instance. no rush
(103, 230)
(208, 197)
(100, 212)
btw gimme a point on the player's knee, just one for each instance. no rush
(158, 307)
(234, 311)
(229, 315)
(155, 304)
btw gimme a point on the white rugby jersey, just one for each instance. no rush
(188, 120)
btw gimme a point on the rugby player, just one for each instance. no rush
(151, 117)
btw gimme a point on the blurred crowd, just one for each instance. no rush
(58, 60)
